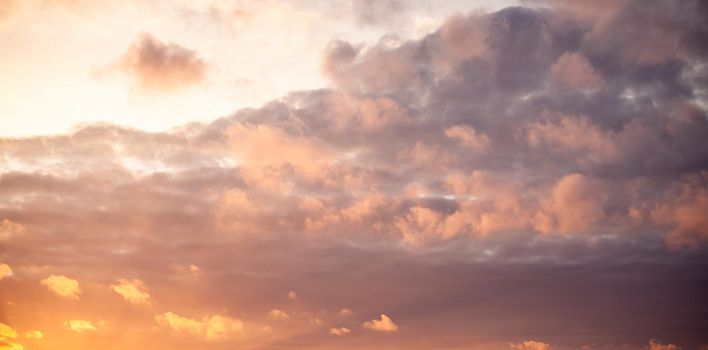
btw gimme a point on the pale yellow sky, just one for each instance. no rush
(55, 67)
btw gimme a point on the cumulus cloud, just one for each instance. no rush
(133, 291)
(468, 137)
(158, 66)
(509, 146)
(292, 295)
(80, 326)
(683, 209)
(575, 204)
(63, 286)
(340, 331)
(384, 324)
(211, 328)
(574, 71)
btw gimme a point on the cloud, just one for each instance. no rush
(163, 67)
(133, 291)
(468, 137)
(5, 271)
(574, 71)
(10, 229)
(7, 336)
(683, 209)
(80, 326)
(279, 315)
(526, 147)
(340, 331)
(63, 286)
(656, 345)
(180, 324)
(292, 295)
(35, 334)
(211, 328)
(7, 332)
(385, 324)
(344, 312)
(530, 345)
(575, 204)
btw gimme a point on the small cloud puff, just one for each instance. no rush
(655, 345)
(340, 331)
(133, 291)
(385, 324)
(530, 345)
(278, 315)
(80, 326)
(158, 66)
(211, 328)
(344, 312)
(10, 229)
(63, 286)
(34, 334)
(5, 271)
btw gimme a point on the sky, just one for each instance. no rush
(354, 174)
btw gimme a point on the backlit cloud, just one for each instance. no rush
(211, 328)
(34, 334)
(384, 324)
(279, 315)
(530, 345)
(340, 331)
(80, 326)
(5, 271)
(158, 66)
(7, 338)
(10, 229)
(133, 291)
(63, 286)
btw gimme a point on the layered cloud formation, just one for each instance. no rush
(533, 173)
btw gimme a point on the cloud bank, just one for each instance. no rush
(538, 172)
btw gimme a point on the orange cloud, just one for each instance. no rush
(340, 331)
(384, 324)
(34, 334)
(211, 328)
(575, 204)
(280, 315)
(530, 345)
(133, 291)
(158, 66)
(80, 326)
(5, 271)
(63, 286)
(574, 71)
(7, 336)
(468, 137)
(10, 229)
(655, 345)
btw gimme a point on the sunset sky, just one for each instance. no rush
(353, 174)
